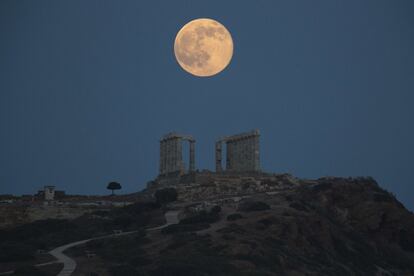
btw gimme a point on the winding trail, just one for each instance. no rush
(69, 264)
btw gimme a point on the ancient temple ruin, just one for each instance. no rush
(171, 154)
(242, 152)
(242, 163)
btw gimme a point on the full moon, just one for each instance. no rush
(203, 47)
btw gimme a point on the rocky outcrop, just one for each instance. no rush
(207, 185)
(329, 226)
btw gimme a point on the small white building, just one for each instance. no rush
(49, 193)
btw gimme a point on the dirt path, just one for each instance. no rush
(69, 264)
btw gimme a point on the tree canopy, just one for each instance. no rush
(114, 186)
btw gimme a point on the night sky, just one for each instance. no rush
(87, 88)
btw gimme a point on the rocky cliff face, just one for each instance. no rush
(330, 226)
(334, 227)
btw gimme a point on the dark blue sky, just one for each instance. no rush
(88, 87)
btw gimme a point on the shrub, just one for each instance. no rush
(139, 207)
(197, 263)
(123, 270)
(166, 195)
(203, 216)
(29, 270)
(216, 209)
(177, 228)
(101, 213)
(15, 252)
(123, 221)
(234, 217)
(298, 206)
(251, 206)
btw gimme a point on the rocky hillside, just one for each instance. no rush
(15, 215)
(273, 225)
(335, 226)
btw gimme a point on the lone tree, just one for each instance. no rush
(113, 186)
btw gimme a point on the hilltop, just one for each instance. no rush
(335, 226)
(328, 226)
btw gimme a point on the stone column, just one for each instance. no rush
(249, 154)
(178, 155)
(192, 156)
(229, 155)
(162, 157)
(252, 155)
(167, 155)
(236, 155)
(257, 153)
(241, 160)
(218, 156)
(170, 166)
(173, 154)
